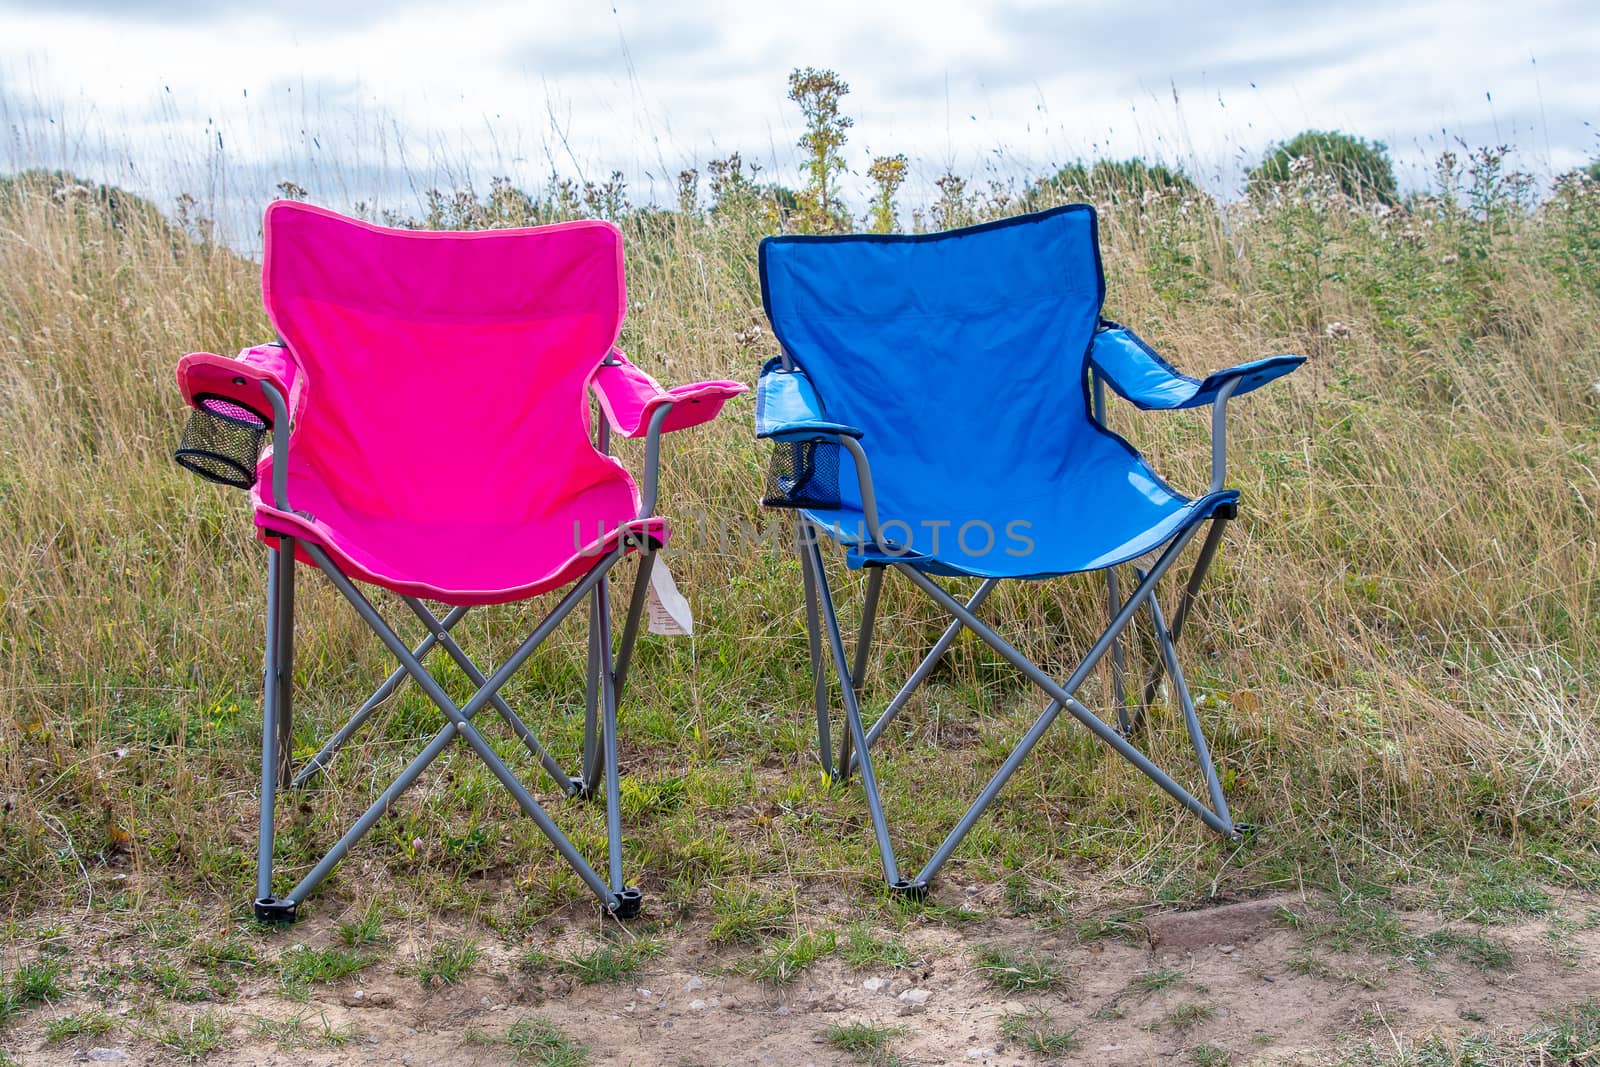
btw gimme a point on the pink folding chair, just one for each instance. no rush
(428, 409)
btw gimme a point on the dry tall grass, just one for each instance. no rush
(1399, 652)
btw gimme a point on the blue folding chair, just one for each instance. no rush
(971, 366)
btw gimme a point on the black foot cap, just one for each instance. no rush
(273, 910)
(577, 790)
(628, 903)
(1244, 831)
(910, 892)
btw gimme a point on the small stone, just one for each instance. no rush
(643, 992)
(979, 1053)
(916, 997)
(697, 1005)
(873, 985)
(783, 1009)
(107, 1055)
(692, 985)
(364, 998)
(1226, 950)
(713, 1002)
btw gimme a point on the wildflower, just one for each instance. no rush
(1337, 330)
(1301, 164)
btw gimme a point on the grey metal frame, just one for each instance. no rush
(606, 675)
(855, 748)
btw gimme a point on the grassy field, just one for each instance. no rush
(1398, 657)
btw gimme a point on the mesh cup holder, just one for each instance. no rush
(222, 441)
(803, 474)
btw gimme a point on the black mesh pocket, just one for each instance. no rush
(222, 441)
(803, 474)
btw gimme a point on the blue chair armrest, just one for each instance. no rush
(788, 408)
(1138, 374)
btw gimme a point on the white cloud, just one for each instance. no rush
(357, 99)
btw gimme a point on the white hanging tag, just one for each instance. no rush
(669, 611)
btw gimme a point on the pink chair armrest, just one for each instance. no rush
(629, 397)
(238, 379)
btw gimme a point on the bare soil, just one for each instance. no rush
(1239, 978)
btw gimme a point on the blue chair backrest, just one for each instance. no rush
(961, 354)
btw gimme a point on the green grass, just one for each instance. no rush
(305, 966)
(1481, 951)
(604, 963)
(447, 962)
(863, 1042)
(365, 929)
(91, 1023)
(1018, 970)
(1187, 1016)
(860, 948)
(746, 916)
(783, 960)
(35, 982)
(1115, 925)
(298, 1031)
(1156, 979)
(193, 1038)
(537, 1041)
(1569, 1039)
(1036, 1030)
(1494, 891)
(1210, 1056)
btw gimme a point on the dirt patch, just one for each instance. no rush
(1269, 981)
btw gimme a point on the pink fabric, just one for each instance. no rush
(628, 397)
(239, 378)
(441, 446)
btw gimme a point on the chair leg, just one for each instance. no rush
(858, 668)
(805, 539)
(1119, 691)
(286, 571)
(1191, 589)
(630, 625)
(274, 706)
(628, 898)
(589, 775)
(1202, 754)
(852, 715)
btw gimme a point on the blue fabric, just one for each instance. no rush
(963, 356)
(1138, 373)
(787, 407)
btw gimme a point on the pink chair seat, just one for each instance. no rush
(458, 559)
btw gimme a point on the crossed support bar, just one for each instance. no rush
(606, 674)
(855, 748)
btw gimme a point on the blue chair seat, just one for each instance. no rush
(1106, 506)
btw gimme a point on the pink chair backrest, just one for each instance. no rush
(446, 374)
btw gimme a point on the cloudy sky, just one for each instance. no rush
(360, 99)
